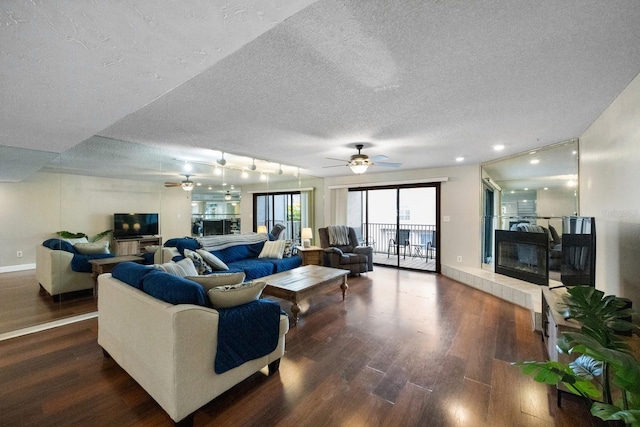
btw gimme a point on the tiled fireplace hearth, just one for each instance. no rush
(524, 294)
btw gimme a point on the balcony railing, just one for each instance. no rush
(379, 235)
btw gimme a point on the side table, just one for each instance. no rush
(311, 255)
(105, 265)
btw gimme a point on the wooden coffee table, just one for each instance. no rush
(302, 282)
(105, 265)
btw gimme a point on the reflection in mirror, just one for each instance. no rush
(537, 188)
(81, 189)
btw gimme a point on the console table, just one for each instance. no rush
(135, 246)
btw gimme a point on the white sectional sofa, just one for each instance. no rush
(170, 349)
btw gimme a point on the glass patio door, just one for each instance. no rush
(399, 222)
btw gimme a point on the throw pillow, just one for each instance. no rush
(182, 268)
(272, 249)
(77, 240)
(198, 262)
(288, 249)
(232, 295)
(92, 248)
(215, 262)
(218, 279)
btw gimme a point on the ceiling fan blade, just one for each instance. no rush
(172, 184)
(335, 166)
(388, 164)
(379, 158)
(337, 160)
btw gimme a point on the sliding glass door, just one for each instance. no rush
(400, 222)
(290, 209)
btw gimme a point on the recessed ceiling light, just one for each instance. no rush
(459, 159)
(546, 188)
(534, 161)
(498, 147)
(187, 167)
(532, 152)
(574, 152)
(526, 189)
(512, 192)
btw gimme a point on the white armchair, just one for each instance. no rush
(54, 273)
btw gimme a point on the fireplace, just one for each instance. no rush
(522, 255)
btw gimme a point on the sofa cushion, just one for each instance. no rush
(215, 262)
(92, 248)
(191, 244)
(222, 279)
(174, 289)
(288, 249)
(182, 268)
(285, 264)
(131, 273)
(59, 245)
(234, 295)
(254, 268)
(75, 240)
(200, 264)
(239, 252)
(273, 249)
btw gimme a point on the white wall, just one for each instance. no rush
(460, 201)
(33, 210)
(609, 176)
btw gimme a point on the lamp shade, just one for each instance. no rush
(306, 235)
(262, 229)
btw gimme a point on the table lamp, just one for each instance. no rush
(262, 229)
(306, 235)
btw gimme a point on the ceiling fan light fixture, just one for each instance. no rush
(187, 186)
(221, 161)
(358, 168)
(227, 196)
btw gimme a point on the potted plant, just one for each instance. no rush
(604, 357)
(69, 235)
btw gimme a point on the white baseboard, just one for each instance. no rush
(21, 267)
(48, 325)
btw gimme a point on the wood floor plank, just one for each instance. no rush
(404, 348)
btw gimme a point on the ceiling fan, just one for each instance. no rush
(360, 162)
(187, 184)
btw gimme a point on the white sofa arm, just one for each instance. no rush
(163, 255)
(54, 272)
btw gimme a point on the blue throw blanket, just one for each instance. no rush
(246, 332)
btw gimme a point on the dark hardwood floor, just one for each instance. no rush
(23, 303)
(403, 349)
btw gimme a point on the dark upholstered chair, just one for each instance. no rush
(277, 230)
(356, 259)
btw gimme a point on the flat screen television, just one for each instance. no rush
(578, 251)
(134, 225)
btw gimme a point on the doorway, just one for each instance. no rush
(401, 223)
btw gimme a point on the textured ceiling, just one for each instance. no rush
(421, 82)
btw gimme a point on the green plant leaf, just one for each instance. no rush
(70, 235)
(586, 367)
(100, 235)
(552, 373)
(610, 413)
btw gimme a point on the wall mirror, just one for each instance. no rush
(81, 189)
(538, 187)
